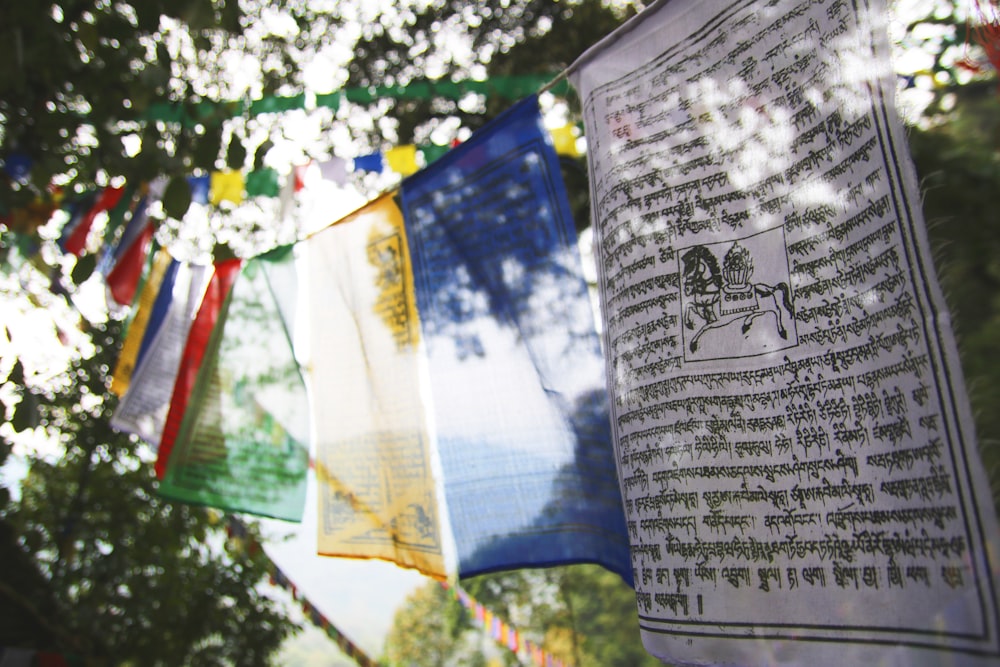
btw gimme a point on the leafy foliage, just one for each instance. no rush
(581, 614)
(122, 574)
(428, 629)
(83, 77)
(959, 166)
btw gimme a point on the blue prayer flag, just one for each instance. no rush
(517, 378)
(199, 189)
(372, 162)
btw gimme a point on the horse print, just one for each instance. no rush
(724, 312)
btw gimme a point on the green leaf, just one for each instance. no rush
(177, 197)
(85, 266)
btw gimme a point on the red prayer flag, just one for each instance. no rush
(194, 350)
(106, 201)
(123, 279)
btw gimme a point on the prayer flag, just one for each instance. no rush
(116, 240)
(402, 159)
(76, 240)
(79, 209)
(564, 140)
(243, 444)
(514, 366)
(432, 152)
(334, 170)
(114, 247)
(143, 408)
(795, 447)
(371, 162)
(226, 186)
(377, 492)
(299, 175)
(222, 276)
(263, 183)
(129, 354)
(123, 279)
(200, 186)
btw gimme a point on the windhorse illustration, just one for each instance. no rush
(716, 298)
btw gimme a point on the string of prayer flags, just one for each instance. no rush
(78, 208)
(227, 186)
(241, 539)
(143, 408)
(374, 467)
(500, 631)
(277, 104)
(402, 159)
(316, 617)
(795, 445)
(512, 87)
(495, 308)
(222, 275)
(514, 366)
(243, 443)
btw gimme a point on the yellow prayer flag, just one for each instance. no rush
(402, 159)
(137, 329)
(377, 493)
(226, 186)
(564, 140)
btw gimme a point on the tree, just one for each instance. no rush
(121, 574)
(958, 162)
(581, 614)
(430, 630)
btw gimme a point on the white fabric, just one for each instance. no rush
(795, 446)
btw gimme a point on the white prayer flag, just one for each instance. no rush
(144, 407)
(795, 447)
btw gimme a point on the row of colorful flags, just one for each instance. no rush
(241, 539)
(506, 635)
(456, 401)
(233, 186)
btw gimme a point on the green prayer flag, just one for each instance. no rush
(329, 100)
(276, 104)
(243, 444)
(262, 183)
(433, 151)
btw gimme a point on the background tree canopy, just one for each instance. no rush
(91, 560)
